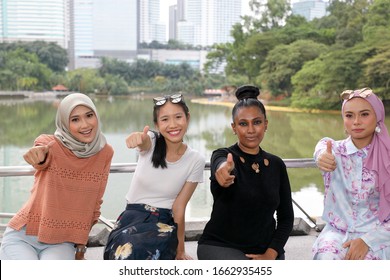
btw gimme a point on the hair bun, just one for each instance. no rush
(247, 91)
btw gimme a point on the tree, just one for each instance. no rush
(284, 61)
(85, 80)
(23, 71)
(377, 73)
(320, 81)
(272, 13)
(50, 54)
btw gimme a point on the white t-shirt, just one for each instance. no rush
(159, 187)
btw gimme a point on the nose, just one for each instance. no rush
(84, 122)
(356, 120)
(251, 128)
(172, 122)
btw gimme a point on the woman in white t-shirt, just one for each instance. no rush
(167, 173)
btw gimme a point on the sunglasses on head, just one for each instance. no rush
(348, 94)
(175, 98)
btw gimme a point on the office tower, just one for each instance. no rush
(150, 27)
(101, 28)
(207, 22)
(310, 9)
(22, 20)
(172, 33)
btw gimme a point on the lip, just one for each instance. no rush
(86, 133)
(174, 132)
(251, 138)
(359, 130)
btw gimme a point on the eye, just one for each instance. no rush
(348, 116)
(242, 124)
(365, 114)
(257, 122)
(90, 115)
(74, 119)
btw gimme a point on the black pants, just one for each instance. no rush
(210, 252)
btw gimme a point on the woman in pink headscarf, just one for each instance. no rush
(356, 174)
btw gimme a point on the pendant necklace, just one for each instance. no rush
(255, 166)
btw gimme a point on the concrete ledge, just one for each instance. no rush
(300, 227)
(194, 230)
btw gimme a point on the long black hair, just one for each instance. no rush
(247, 97)
(160, 149)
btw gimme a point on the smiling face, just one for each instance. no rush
(172, 122)
(250, 125)
(83, 124)
(359, 121)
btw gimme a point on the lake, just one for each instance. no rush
(289, 135)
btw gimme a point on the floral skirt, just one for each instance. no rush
(143, 232)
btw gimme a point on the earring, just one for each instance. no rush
(234, 133)
(377, 129)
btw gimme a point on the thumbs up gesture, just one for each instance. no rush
(139, 139)
(223, 176)
(37, 155)
(326, 160)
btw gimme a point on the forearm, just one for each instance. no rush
(180, 234)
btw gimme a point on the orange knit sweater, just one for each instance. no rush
(67, 194)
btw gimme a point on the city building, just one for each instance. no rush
(92, 29)
(43, 20)
(194, 58)
(206, 22)
(150, 26)
(310, 9)
(101, 28)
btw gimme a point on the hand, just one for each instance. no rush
(223, 176)
(326, 161)
(79, 256)
(270, 254)
(136, 139)
(37, 155)
(183, 256)
(358, 249)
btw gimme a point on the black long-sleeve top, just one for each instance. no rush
(243, 214)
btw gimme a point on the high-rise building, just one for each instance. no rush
(310, 9)
(150, 27)
(101, 28)
(172, 30)
(208, 21)
(22, 20)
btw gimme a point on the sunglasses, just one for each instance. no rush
(176, 98)
(348, 94)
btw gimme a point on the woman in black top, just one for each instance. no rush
(249, 186)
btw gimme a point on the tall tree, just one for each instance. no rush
(269, 14)
(284, 61)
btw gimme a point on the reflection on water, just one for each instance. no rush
(289, 135)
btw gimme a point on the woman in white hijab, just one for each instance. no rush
(72, 168)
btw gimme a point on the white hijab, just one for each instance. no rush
(80, 149)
